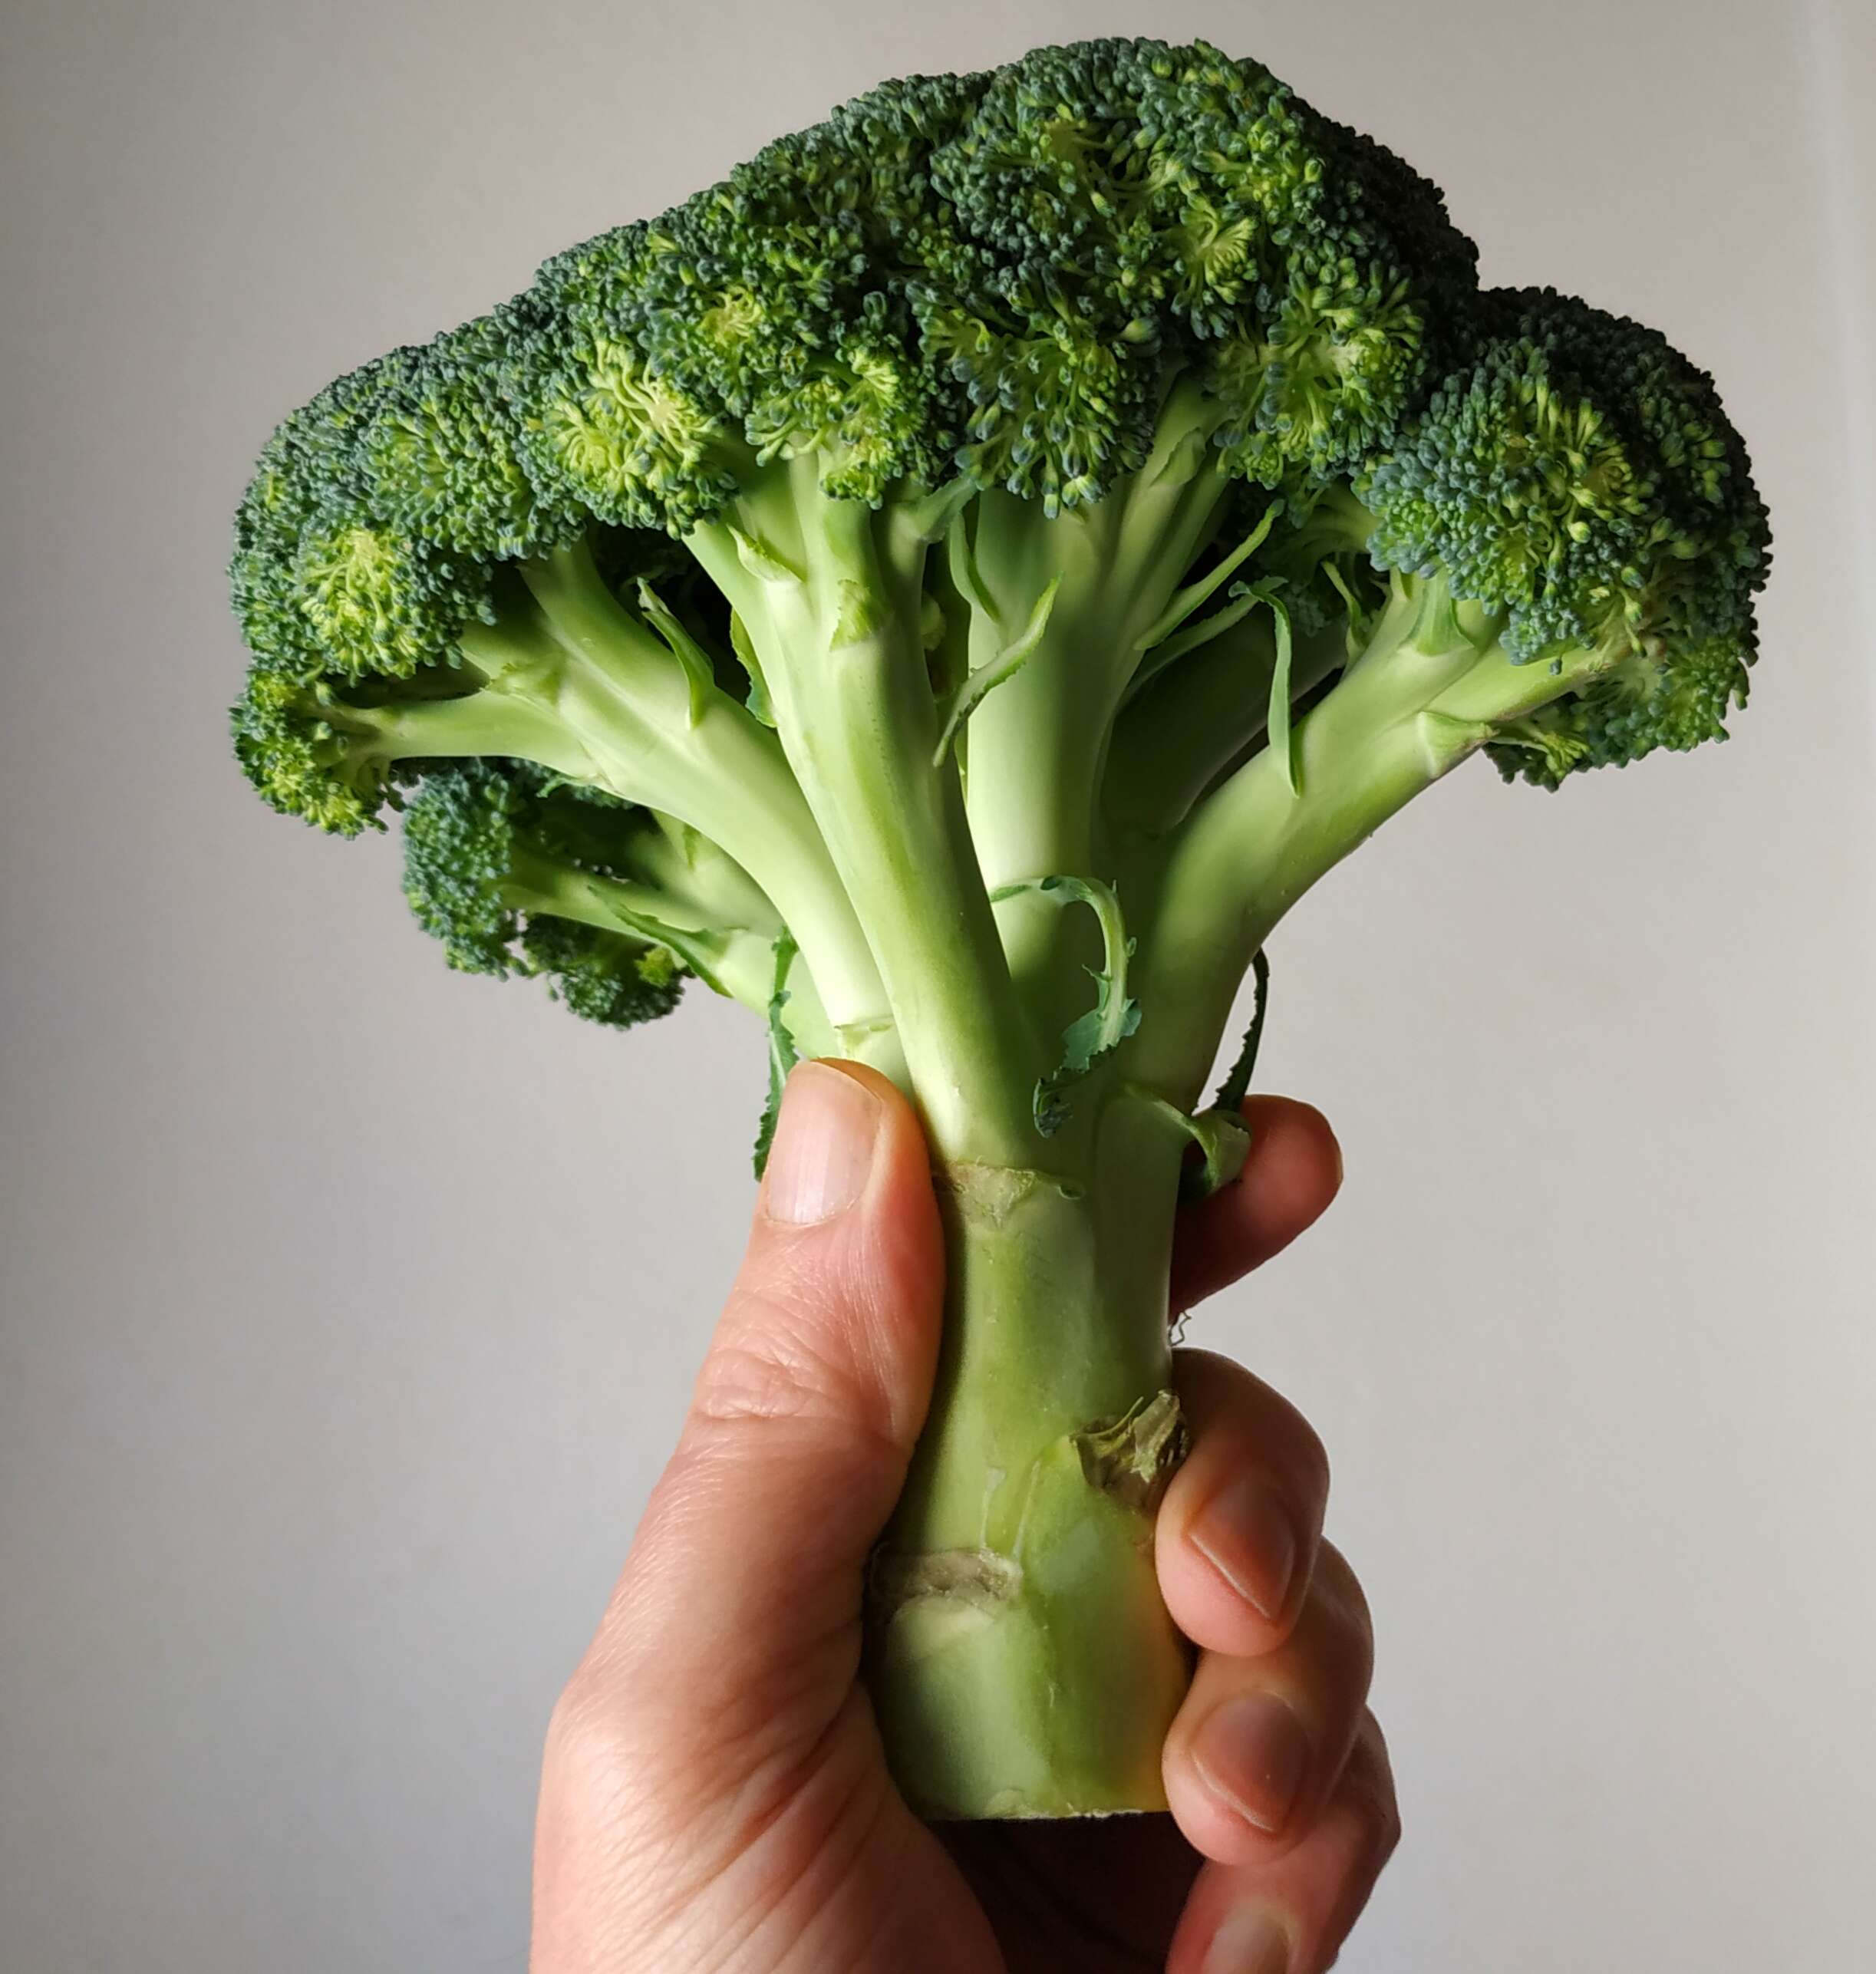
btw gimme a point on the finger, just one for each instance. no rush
(1236, 1537)
(746, 1576)
(1292, 1170)
(1291, 1916)
(1258, 1744)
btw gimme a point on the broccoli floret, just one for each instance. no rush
(953, 587)
(1579, 480)
(489, 871)
(604, 976)
(517, 871)
(444, 451)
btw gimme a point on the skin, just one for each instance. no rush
(713, 1795)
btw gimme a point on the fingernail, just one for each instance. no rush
(1247, 1533)
(1252, 1753)
(824, 1146)
(1249, 1942)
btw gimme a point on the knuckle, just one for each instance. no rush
(1368, 1833)
(616, 1788)
(1252, 1422)
(1381, 1829)
(1379, 1817)
(761, 1383)
(569, 1725)
(591, 1746)
(770, 1369)
(1294, 1440)
(1346, 1603)
(1368, 1794)
(1310, 1456)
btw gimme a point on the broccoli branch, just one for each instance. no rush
(1432, 685)
(1196, 719)
(730, 950)
(843, 662)
(574, 681)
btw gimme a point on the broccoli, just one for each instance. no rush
(952, 587)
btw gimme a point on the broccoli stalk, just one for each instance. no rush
(953, 588)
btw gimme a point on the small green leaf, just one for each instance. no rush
(1282, 738)
(930, 624)
(702, 952)
(1223, 1139)
(1181, 465)
(930, 516)
(1005, 665)
(781, 1053)
(760, 559)
(1358, 616)
(1224, 1142)
(1114, 1016)
(1445, 740)
(697, 668)
(744, 647)
(1233, 1090)
(961, 559)
(1196, 595)
(1189, 639)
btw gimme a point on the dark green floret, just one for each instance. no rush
(1579, 481)
(952, 587)
(444, 451)
(517, 871)
(496, 858)
(607, 977)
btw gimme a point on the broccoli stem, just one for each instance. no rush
(735, 960)
(1425, 692)
(577, 675)
(467, 726)
(844, 664)
(1021, 1662)
(1035, 750)
(1196, 718)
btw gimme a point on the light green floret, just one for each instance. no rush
(953, 587)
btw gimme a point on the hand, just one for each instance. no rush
(714, 1795)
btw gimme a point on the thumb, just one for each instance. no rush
(748, 1571)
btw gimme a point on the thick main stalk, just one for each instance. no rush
(1020, 1659)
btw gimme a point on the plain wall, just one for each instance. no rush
(349, 1304)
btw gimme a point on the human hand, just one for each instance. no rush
(714, 1795)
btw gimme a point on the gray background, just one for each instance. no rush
(348, 1305)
